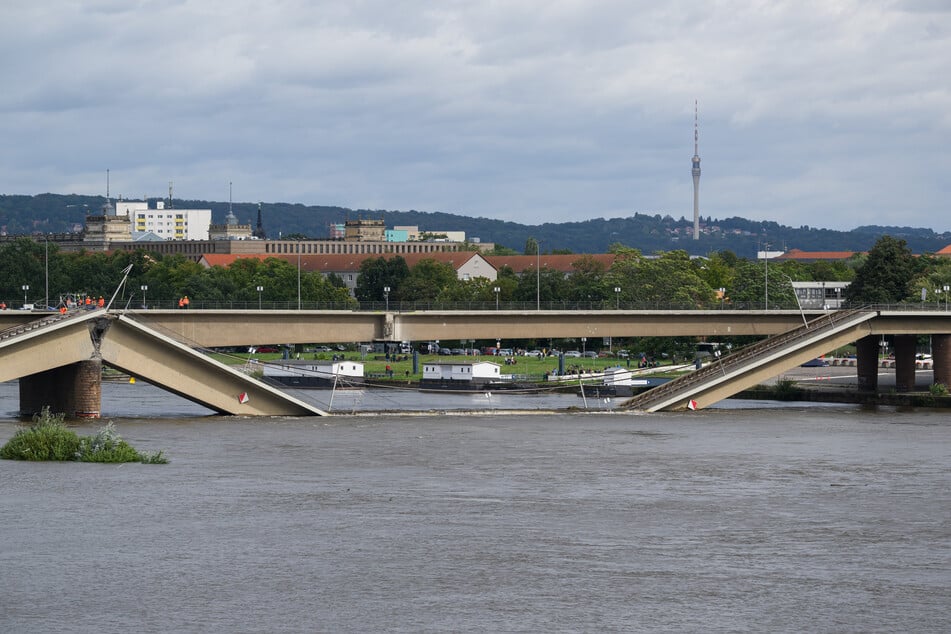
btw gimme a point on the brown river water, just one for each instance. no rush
(754, 516)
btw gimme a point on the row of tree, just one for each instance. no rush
(889, 273)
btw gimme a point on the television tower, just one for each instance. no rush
(696, 173)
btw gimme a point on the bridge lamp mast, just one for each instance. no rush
(386, 297)
(25, 288)
(260, 290)
(946, 289)
(617, 298)
(496, 290)
(144, 288)
(722, 292)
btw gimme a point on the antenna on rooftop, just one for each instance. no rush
(169, 194)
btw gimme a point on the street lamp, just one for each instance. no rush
(25, 288)
(538, 275)
(386, 296)
(144, 288)
(722, 292)
(260, 290)
(46, 265)
(946, 289)
(496, 290)
(617, 298)
(583, 345)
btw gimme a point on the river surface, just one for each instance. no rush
(754, 516)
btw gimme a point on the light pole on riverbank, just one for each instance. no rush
(260, 290)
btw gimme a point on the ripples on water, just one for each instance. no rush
(788, 519)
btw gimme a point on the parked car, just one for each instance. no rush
(445, 351)
(534, 353)
(815, 363)
(505, 352)
(623, 354)
(575, 354)
(590, 354)
(458, 351)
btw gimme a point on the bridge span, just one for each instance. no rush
(142, 341)
(58, 360)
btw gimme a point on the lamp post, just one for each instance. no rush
(46, 265)
(144, 288)
(25, 288)
(617, 298)
(260, 290)
(583, 345)
(946, 289)
(496, 290)
(766, 275)
(722, 292)
(386, 297)
(298, 274)
(538, 275)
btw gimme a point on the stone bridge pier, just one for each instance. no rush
(75, 389)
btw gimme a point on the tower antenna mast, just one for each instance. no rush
(695, 171)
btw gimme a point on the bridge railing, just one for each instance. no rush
(815, 327)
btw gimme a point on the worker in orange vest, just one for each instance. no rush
(101, 303)
(185, 300)
(88, 302)
(181, 302)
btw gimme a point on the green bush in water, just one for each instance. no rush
(49, 439)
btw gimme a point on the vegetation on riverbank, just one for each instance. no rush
(48, 438)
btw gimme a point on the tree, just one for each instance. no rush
(531, 246)
(887, 275)
(379, 273)
(428, 280)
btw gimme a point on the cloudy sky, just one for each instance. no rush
(827, 113)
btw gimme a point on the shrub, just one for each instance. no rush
(938, 389)
(785, 389)
(49, 439)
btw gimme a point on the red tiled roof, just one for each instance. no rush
(797, 254)
(563, 263)
(944, 251)
(330, 262)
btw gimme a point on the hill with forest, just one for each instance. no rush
(57, 213)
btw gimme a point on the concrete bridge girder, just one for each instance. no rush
(98, 336)
(142, 352)
(63, 347)
(744, 378)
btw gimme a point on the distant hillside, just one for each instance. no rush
(58, 213)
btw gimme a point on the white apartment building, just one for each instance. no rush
(168, 224)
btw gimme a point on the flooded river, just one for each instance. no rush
(750, 517)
